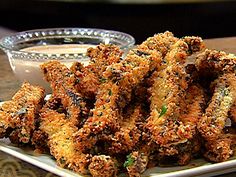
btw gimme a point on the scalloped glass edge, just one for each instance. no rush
(7, 43)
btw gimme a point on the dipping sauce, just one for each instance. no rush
(59, 49)
(30, 70)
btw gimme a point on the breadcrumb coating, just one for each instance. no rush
(62, 82)
(213, 63)
(128, 136)
(61, 143)
(167, 92)
(213, 121)
(90, 77)
(114, 95)
(18, 116)
(103, 166)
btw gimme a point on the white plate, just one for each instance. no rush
(198, 167)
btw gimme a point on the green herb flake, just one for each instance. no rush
(163, 110)
(129, 161)
(102, 80)
(110, 92)
(77, 81)
(225, 92)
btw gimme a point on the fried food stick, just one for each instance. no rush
(150, 154)
(61, 143)
(221, 149)
(90, 77)
(62, 82)
(18, 116)
(103, 56)
(213, 121)
(116, 92)
(191, 113)
(167, 92)
(129, 134)
(213, 63)
(103, 166)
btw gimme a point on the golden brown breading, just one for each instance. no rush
(90, 77)
(103, 56)
(128, 136)
(213, 121)
(61, 143)
(18, 116)
(62, 82)
(213, 63)
(87, 83)
(39, 141)
(191, 113)
(169, 88)
(115, 93)
(103, 166)
(194, 103)
(104, 117)
(160, 42)
(218, 150)
(221, 149)
(136, 163)
(167, 91)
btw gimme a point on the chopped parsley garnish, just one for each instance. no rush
(225, 92)
(102, 80)
(129, 161)
(110, 92)
(163, 110)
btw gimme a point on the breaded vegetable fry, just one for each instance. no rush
(129, 134)
(115, 93)
(61, 143)
(62, 82)
(18, 116)
(168, 129)
(90, 77)
(164, 123)
(103, 166)
(103, 56)
(213, 63)
(136, 163)
(213, 121)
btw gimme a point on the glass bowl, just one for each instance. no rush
(27, 50)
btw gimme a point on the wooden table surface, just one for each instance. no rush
(9, 85)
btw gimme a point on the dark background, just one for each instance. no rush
(206, 19)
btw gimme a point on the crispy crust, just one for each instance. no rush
(213, 121)
(62, 82)
(129, 134)
(103, 56)
(148, 105)
(90, 77)
(115, 93)
(103, 166)
(213, 63)
(139, 165)
(173, 79)
(18, 116)
(61, 143)
(87, 82)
